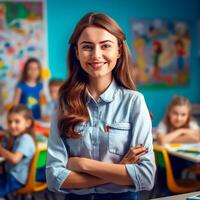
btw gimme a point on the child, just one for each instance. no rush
(49, 109)
(178, 125)
(18, 149)
(93, 147)
(29, 89)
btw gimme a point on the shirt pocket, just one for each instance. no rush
(119, 137)
(74, 146)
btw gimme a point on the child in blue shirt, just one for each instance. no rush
(17, 149)
(29, 89)
(94, 149)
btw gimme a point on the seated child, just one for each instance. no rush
(54, 85)
(178, 125)
(18, 148)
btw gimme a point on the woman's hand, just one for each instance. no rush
(134, 154)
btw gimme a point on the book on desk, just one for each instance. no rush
(196, 197)
(190, 148)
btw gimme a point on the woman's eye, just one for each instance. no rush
(105, 46)
(87, 47)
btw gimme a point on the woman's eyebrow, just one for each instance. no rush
(87, 42)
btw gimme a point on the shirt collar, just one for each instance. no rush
(108, 95)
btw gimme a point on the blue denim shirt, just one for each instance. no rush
(118, 121)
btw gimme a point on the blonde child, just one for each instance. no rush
(18, 149)
(29, 89)
(50, 107)
(178, 125)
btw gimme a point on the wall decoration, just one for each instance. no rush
(161, 51)
(22, 35)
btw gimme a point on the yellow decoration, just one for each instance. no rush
(45, 73)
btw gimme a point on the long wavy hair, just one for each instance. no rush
(27, 114)
(178, 101)
(73, 93)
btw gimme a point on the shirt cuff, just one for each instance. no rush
(60, 178)
(131, 169)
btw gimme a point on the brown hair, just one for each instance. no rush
(177, 101)
(24, 75)
(27, 114)
(73, 94)
(55, 82)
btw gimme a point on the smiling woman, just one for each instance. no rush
(97, 51)
(94, 149)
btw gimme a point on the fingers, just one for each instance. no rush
(133, 155)
(134, 151)
(135, 159)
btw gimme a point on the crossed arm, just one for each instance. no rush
(88, 173)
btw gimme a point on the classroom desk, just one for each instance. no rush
(175, 150)
(178, 197)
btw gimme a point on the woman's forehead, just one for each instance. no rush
(96, 35)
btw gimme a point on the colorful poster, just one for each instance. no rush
(161, 51)
(22, 35)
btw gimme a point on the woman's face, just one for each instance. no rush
(97, 51)
(178, 116)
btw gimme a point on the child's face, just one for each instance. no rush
(17, 124)
(97, 51)
(33, 71)
(178, 115)
(53, 90)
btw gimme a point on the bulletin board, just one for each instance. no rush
(22, 35)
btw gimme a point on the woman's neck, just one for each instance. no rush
(97, 86)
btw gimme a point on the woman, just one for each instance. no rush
(94, 149)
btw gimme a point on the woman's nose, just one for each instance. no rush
(96, 53)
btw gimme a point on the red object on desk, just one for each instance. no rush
(41, 129)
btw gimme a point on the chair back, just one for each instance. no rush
(36, 162)
(174, 185)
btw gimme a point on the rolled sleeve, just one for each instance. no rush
(57, 157)
(142, 173)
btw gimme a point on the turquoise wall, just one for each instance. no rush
(62, 16)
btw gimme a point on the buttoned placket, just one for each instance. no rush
(95, 129)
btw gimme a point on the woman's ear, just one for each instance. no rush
(119, 52)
